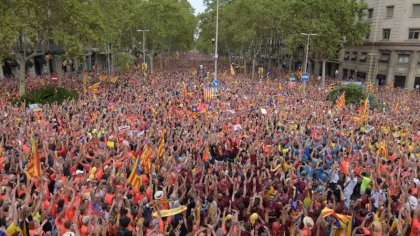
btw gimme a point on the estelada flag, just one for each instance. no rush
(34, 166)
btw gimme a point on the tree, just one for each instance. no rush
(171, 25)
(245, 27)
(248, 26)
(30, 26)
(335, 22)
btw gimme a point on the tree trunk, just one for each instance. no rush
(290, 63)
(58, 69)
(253, 66)
(245, 69)
(151, 62)
(22, 77)
(161, 61)
(1, 72)
(76, 65)
(324, 62)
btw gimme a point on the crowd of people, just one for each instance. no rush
(257, 159)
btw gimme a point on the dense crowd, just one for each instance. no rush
(259, 159)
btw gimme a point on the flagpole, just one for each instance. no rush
(216, 40)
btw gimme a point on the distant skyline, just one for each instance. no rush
(197, 5)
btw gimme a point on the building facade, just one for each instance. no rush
(390, 53)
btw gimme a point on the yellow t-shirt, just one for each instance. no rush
(13, 229)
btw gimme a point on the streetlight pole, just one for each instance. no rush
(144, 45)
(307, 49)
(217, 39)
(306, 56)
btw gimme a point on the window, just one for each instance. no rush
(346, 55)
(386, 33)
(413, 33)
(389, 11)
(363, 57)
(403, 58)
(416, 10)
(370, 13)
(354, 56)
(384, 57)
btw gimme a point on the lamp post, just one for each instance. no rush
(144, 45)
(216, 40)
(306, 56)
(307, 49)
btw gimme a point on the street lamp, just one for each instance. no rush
(307, 48)
(306, 57)
(216, 40)
(144, 45)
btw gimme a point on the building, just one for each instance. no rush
(390, 53)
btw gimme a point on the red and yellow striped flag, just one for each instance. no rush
(208, 93)
(94, 88)
(146, 158)
(113, 79)
(232, 70)
(383, 149)
(34, 166)
(134, 178)
(365, 106)
(161, 149)
(341, 101)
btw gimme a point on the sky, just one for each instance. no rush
(197, 5)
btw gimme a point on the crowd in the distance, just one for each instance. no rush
(260, 159)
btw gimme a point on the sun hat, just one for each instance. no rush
(158, 195)
(308, 222)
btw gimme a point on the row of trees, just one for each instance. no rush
(246, 26)
(30, 28)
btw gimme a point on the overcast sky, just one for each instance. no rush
(197, 5)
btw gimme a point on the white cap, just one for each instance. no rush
(413, 202)
(158, 195)
(69, 234)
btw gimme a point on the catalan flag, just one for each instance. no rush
(146, 158)
(113, 79)
(94, 88)
(383, 149)
(343, 219)
(134, 178)
(397, 105)
(34, 166)
(341, 101)
(161, 149)
(365, 106)
(208, 93)
(350, 225)
(360, 119)
(232, 70)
